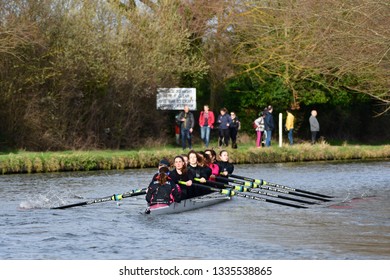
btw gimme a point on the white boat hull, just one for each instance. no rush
(187, 204)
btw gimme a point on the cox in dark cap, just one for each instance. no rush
(164, 162)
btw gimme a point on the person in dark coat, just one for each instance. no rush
(233, 129)
(269, 125)
(224, 121)
(187, 122)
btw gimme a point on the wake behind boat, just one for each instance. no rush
(187, 204)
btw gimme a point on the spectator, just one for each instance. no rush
(269, 125)
(206, 122)
(177, 130)
(224, 121)
(259, 122)
(314, 126)
(186, 119)
(290, 126)
(233, 129)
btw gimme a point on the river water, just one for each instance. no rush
(356, 226)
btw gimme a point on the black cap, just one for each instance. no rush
(164, 162)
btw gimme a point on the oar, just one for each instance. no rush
(263, 182)
(242, 188)
(115, 197)
(253, 185)
(232, 193)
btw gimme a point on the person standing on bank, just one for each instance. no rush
(259, 129)
(206, 122)
(314, 126)
(290, 126)
(269, 125)
(233, 129)
(224, 121)
(187, 122)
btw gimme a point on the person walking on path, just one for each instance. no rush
(233, 129)
(269, 125)
(206, 122)
(259, 129)
(290, 126)
(187, 122)
(314, 126)
(224, 121)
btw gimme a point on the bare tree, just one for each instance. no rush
(335, 44)
(92, 82)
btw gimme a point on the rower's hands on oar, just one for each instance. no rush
(188, 183)
(224, 173)
(202, 180)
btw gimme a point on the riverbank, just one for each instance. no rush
(41, 162)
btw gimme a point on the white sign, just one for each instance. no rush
(176, 98)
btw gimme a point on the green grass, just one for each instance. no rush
(39, 162)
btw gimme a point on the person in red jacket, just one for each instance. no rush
(206, 122)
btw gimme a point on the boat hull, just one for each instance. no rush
(187, 204)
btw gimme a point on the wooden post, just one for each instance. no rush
(280, 129)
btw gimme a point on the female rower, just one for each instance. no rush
(163, 190)
(225, 167)
(185, 157)
(180, 173)
(212, 162)
(199, 170)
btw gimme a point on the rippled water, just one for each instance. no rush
(358, 228)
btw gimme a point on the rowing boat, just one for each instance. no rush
(187, 204)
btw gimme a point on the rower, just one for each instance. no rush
(199, 170)
(162, 189)
(225, 167)
(181, 173)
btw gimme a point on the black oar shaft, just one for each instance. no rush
(269, 200)
(263, 182)
(243, 188)
(252, 185)
(282, 196)
(84, 203)
(240, 194)
(293, 193)
(296, 190)
(115, 197)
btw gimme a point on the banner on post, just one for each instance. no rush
(176, 98)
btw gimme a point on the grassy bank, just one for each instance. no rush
(33, 162)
